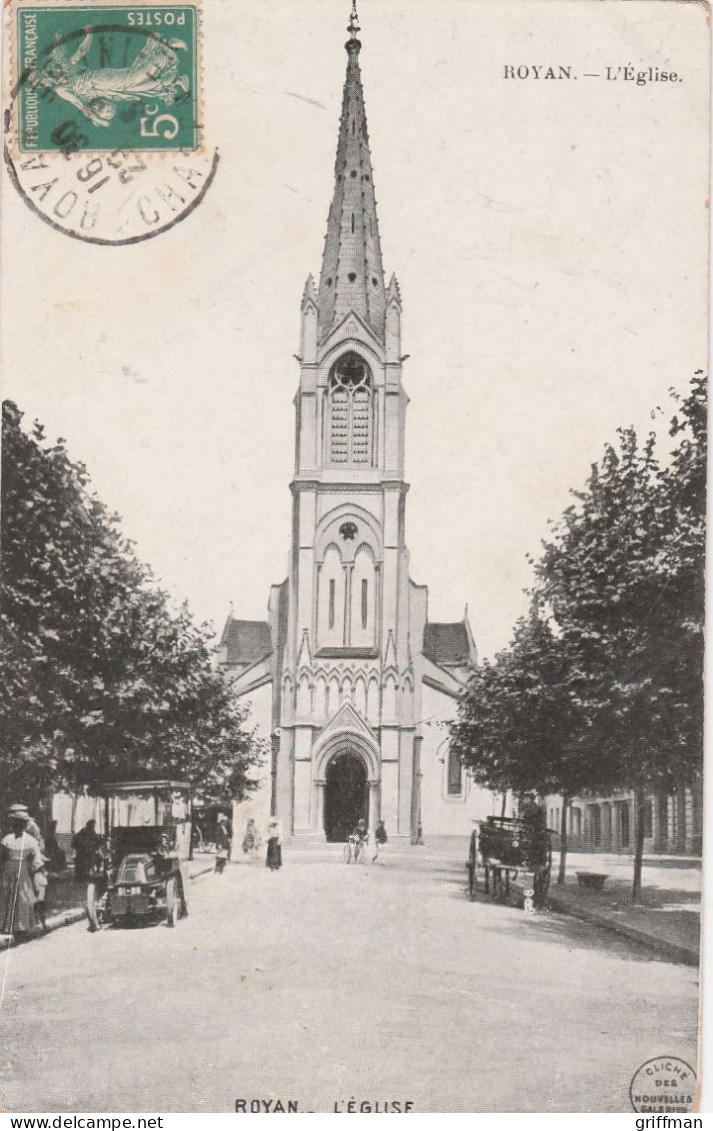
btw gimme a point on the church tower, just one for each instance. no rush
(348, 630)
(348, 650)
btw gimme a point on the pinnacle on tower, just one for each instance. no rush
(310, 292)
(394, 292)
(352, 276)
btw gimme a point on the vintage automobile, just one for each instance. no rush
(137, 874)
(512, 853)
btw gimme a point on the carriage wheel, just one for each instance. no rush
(171, 902)
(95, 914)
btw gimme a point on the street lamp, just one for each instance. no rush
(419, 826)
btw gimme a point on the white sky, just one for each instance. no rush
(549, 239)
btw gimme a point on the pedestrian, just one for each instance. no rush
(251, 840)
(274, 847)
(86, 844)
(360, 838)
(222, 843)
(55, 856)
(22, 877)
(31, 828)
(380, 838)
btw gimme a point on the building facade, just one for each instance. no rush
(347, 675)
(673, 822)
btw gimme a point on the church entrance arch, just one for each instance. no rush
(346, 795)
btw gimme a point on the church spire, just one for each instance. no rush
(352, 276)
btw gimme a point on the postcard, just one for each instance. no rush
(353, 529)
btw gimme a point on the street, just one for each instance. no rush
(325, 983)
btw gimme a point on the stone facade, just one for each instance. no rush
(360, 681)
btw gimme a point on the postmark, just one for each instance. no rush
(663, 1084)
(105, 138)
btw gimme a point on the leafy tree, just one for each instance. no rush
(606, 692)
(623, 576)
(519, 723)
(99, 677)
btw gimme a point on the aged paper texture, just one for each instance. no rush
(351, 762)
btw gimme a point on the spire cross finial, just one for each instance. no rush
(353, 27)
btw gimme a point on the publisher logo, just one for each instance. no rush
(665, 1083)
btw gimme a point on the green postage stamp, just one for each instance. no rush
(107, 78)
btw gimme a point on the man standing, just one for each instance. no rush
(86, 845)
(222, 843)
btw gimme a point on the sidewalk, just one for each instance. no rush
(667, 919)
(65, 900)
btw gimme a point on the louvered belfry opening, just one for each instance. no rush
(350, 412)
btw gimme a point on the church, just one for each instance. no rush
(348, 677)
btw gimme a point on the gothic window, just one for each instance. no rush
(350, 411)
(364, 601)
(455, 774)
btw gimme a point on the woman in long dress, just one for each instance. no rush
(21, 879)
(274, 847)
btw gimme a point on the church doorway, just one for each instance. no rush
(346, 797)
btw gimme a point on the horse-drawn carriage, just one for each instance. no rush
(512, 853)
(137, 873)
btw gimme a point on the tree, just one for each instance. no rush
(100, 678)
(520, 722)
(623, 576)
(606, 691)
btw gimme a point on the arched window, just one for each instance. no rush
(350, 411)
(455, 773)
(331, 600)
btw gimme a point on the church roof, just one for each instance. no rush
(352, 276)
(447, 644)
(246, 641)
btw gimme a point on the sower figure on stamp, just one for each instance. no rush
(22, 878)
(94, 91)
